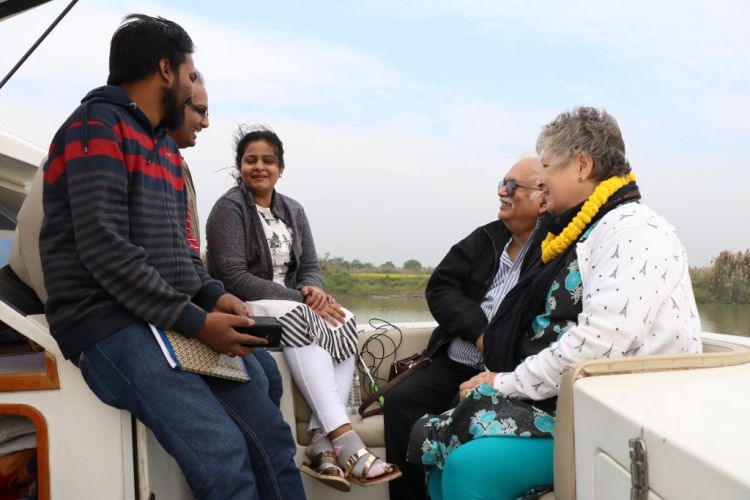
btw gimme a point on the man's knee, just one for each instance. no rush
(408, 401)
(396, 397)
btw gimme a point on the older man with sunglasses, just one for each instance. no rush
(463, 294)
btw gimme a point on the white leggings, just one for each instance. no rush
(324, 383)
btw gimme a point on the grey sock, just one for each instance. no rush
(318, 444)
(347, 445)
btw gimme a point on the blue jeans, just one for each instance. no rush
(261, 367)
(228, 437)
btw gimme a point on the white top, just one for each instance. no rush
(279, 239)
(638, 300)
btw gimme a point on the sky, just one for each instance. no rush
(399, 118)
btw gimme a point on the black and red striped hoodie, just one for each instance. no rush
(113, 243)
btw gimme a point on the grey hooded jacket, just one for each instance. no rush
(238, 253)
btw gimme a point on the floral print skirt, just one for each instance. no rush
(483, 413)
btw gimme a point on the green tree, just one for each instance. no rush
(413, 265)
(340, 262)
(388, 266)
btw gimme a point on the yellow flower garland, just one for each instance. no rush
(552, 246)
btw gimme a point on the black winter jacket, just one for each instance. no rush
(460, 282)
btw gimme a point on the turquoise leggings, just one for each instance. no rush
(502, 468)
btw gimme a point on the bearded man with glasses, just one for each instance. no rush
(185, 136)
(463, 295)
(260, 364)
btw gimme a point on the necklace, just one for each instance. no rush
(552, 246)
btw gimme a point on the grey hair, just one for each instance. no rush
(527, 155)
(585, 130)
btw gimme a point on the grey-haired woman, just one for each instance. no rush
(612, 281)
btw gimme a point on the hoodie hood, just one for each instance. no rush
(111, 94)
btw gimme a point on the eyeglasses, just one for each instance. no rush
(200, 109)
(511, 186)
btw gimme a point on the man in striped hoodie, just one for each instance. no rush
(116, 257)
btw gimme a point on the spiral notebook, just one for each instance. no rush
(191, 355)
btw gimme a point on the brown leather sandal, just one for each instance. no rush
(325, 468)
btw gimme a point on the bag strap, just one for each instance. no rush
(364, 412)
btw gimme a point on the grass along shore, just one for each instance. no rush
(363, 279)
(390, 284)
(726, 281)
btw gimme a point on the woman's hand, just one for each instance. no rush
(314, 297)
(482, 378)
(324, 305)
(332, 312)
(335, 312)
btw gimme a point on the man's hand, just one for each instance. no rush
(230, 304)
(314, 297)
(482, 378)
(480, 343)
(218, 333)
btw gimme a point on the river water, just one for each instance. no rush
(720, 318)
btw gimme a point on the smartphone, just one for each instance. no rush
(266, 327)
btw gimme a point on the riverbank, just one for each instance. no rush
(726, 281)
(720, 318)
(399, 297)
(709, 286)
(404, 285)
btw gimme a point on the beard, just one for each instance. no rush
(174, 111)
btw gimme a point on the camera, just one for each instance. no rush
(266, 327)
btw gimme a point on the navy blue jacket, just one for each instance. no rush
(113, 243)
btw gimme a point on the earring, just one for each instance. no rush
(580, 179)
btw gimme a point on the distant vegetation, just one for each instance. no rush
(726, 281)
(343, 277)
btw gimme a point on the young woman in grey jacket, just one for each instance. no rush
(260, 245)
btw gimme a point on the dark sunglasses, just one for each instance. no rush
(511, 186)
(200, 109)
